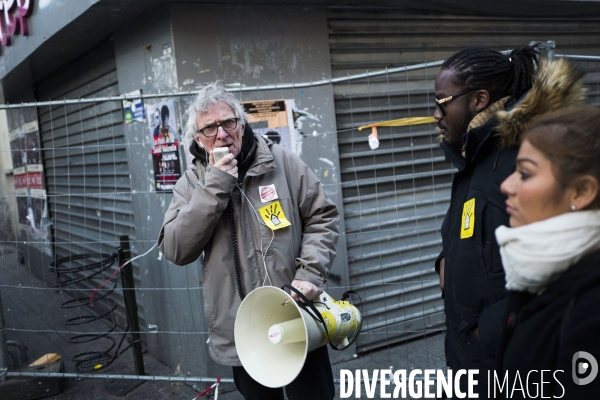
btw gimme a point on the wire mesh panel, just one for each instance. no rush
(85, 158)
(591, 71)
(395, 196)
(89, 193)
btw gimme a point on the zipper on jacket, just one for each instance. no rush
(496, 160)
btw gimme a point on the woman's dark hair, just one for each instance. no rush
(500, 74)
(570, 139)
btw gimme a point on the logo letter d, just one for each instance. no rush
(591, 362)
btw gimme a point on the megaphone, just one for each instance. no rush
(273, 333)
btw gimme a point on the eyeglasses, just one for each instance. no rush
(440, 107)
(211, 130)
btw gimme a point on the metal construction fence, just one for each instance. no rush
(78, 203)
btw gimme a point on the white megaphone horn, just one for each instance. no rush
(274, 333)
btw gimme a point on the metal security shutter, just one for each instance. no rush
(395, 197)
(85, 158)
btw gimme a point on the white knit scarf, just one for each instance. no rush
(536, 254)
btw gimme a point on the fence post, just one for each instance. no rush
(3, 359)
(131, 304)
(546, 48)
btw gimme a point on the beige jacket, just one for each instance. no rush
(198, 221)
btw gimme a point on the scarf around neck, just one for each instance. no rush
(537, 254)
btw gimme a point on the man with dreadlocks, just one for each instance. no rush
(483, 100)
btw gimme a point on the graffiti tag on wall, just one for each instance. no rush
(13, 19)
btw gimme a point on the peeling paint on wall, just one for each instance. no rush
(164, 76)
(252, 58)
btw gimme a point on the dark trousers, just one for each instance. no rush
(315, 381)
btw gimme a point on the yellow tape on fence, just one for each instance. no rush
(374, 141)
(401, 122)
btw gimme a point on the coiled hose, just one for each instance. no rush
(86, 267)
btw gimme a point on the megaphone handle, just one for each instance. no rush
(306, 305)
(318, 317)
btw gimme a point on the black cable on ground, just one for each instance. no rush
(86, 267)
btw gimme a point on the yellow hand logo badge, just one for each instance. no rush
(273, 216)
(468, 219)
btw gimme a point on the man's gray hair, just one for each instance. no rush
(211, 95)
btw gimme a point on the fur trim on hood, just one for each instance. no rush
(557, 84)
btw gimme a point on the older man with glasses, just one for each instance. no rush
(483, 100)
(261, 217)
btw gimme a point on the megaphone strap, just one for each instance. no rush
(347, 294)
(310, 308)
(307, 306)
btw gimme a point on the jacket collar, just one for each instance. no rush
(477, 141)
(478, 133)
(263, 159)
(487, 114)
(453, 155)
(480, 140)
(576, 280)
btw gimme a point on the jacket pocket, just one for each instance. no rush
(476, 357)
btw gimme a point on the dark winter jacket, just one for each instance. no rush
(198, 221)
(474, 278)
(544, 332)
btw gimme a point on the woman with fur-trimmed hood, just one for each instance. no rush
(483, 100)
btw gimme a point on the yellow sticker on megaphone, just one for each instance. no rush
(330, 323)
(273, 216)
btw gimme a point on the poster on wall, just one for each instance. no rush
(133, 110)
(164, 135)
(279, 120)
(30, 189)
